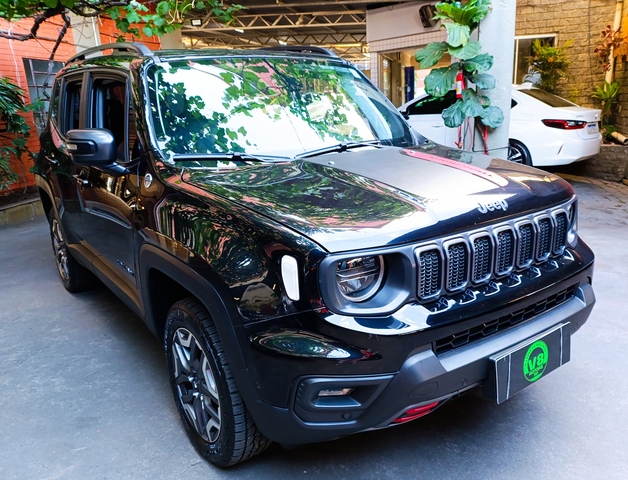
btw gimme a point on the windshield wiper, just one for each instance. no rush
(229, 156)
(341, 147)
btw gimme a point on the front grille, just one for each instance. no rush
(456, 266)
(464, 337)
(478, 257)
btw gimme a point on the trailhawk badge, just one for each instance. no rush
(484, 207)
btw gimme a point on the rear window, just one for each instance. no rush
(548, 98)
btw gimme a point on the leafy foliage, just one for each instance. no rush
(550, 63)
(460, 22)
(14, 131)
(608, 94)
(165, 17)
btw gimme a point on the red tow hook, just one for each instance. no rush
(415, 413)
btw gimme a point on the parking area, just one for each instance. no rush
(84, 391)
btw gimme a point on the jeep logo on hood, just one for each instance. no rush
(490, 206)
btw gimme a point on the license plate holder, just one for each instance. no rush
(592, 128)
(524, 364)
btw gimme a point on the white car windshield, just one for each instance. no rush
(267, 106)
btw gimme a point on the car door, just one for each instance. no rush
(426, 117)
(109, 201)
(66, 113)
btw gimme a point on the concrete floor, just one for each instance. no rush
(84, 393)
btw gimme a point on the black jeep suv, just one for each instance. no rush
(314, 267)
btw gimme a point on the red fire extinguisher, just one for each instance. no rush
(459, 84)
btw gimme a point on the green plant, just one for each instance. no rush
(14, 131)
(460, 21)
(608, 94)
(550, 63)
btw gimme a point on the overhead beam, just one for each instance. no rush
(286, 21)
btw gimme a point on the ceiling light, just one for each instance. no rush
(196, 22)
(239, 30)
(281, 42)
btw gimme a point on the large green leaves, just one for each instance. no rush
(457, 35)
(469, 50)
(454, 116)
(484, 81)
(492, 117)
(479, 63)
(469, 14)
(471, 105)
(441, 80)
(431, 54)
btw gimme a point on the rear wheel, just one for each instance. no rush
(211, 408)
(518, 153)
(74, 276)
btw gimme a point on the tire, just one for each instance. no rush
(518, 153)
(74, 276)
(204, 388)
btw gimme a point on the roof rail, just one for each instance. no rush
(301, 49)
(132, 49)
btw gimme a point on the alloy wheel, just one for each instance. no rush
(196, 385)
(60, 250)
(515, 155)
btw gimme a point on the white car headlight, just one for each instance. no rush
(359, 278)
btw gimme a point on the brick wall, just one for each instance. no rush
(11, 66)
(621, 75)
(580, 21)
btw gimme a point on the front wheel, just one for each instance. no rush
(211, 408)
(518, 153)
(74, 276)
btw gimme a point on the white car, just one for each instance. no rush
(545, 129)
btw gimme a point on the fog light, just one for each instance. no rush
(334, 392)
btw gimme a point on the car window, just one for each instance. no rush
(54, 103)
(548, 98)
(109, 111)
(71, 107)
(267, 106)
(432, 106)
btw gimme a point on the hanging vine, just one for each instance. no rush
(460, 20)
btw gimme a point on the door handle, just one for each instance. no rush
(81, 181)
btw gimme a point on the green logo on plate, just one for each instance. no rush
(535, 361)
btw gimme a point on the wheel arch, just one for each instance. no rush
(167, 280)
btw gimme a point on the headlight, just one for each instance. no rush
(358, 279)
(572, 233)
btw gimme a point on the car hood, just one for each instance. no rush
(374, 197)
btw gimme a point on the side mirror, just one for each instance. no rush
(405, 114)
(94, 147)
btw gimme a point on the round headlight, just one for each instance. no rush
(359, 278)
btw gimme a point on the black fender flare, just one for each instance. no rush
(226, 319)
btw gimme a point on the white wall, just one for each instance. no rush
(396, 21)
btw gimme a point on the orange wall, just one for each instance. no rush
(11, 66)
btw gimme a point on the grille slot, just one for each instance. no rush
(429, 273)
(505, 252)
(464, 337)
(456, 266)
(482, 258)
(526, 245)
(560, 235)
(544, 240)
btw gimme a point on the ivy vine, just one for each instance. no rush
(460, 20)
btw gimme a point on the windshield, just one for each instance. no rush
(548, 98)
(267, 106)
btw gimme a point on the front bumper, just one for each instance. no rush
(425, 378)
